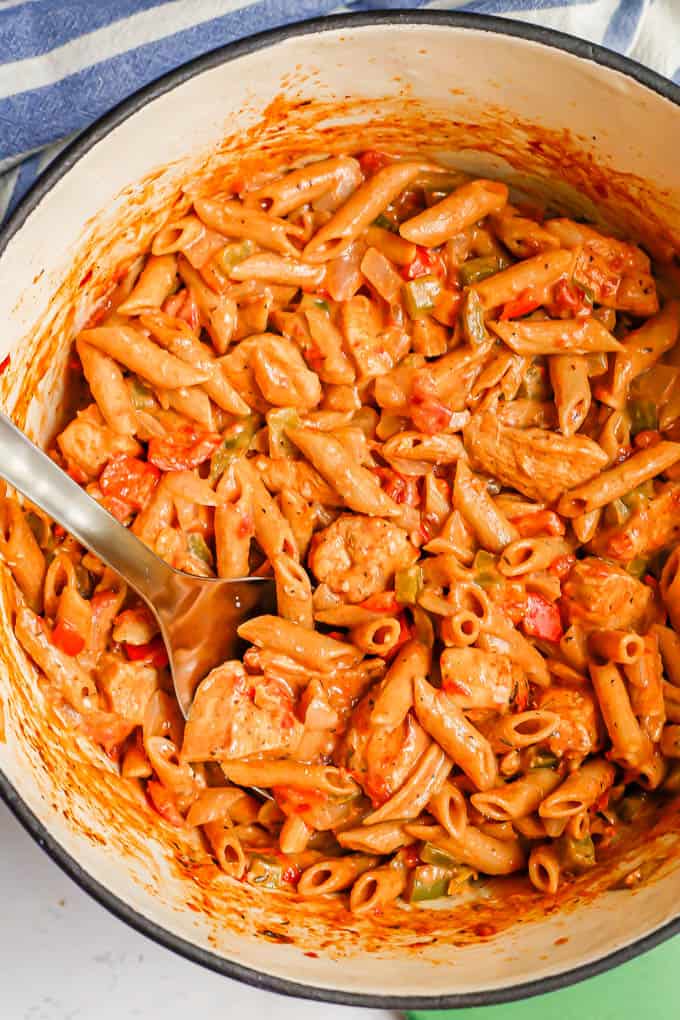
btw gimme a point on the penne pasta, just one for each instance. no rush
(459, 210)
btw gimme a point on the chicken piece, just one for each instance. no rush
(540, 464)
(128, 686)
(357, 556)
(235, 715)
(479, 680)
(597, 594)
(87, 443)
(580, 730)
(655, 525)
(64, 672)
(380, 759)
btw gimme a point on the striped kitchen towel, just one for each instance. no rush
(63, 63)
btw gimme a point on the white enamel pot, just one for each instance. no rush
(526, 104)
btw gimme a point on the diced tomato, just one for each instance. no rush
(650, 580)
(381, 602)
(291, 874)
(647, 438)
(371, 161)
(4, 364)
(411, 857)
(183, 450)
(76, 473)
(425, 263)
(164, 803)
(569, 297)
(66, 638)
(153, 653)
(337, 635)
(530, 525)
(522, 305)
(429, 415)
(127, 484)
(561, 566)
(294, 801)
(400, 488)
(542, 618)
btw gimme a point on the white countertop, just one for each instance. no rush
(63, 957)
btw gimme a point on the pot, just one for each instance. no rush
(545, 112)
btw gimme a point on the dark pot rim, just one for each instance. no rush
(44, 184)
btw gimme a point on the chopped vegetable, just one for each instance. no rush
(472, 312)
(382, 602)
(542, 618)
(577, 855)
(311, 301)
(639, 496)
(544, 759)
(637, 567)
(427, 882)
(127, 484)
(198, 547)
(266, 871)
(538, 522)
(486, 570)
(424, 263)
(431, 854)
(422, 624)
(66, 638)
(573, 298)
(535, 383)
(141, 395)
(629, 807)
(643, 416)
(232, 254)
(408, 584)
(522, 305)
(386, 223)
(476, 270)
(616, 513)
(154, 653)
(236, 439)
(278, 421)
(420, 295)
(184, 449)
(371, 161)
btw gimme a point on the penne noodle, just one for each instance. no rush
(376, 888)
(530, 554)
(544, 869)
(479, 851)
(21, 553)
(555, 336)
(273, 268)
(334, 874)
(317, 651)
(234, 220)
(376, 637)
(339, 176)
(461, 209)
(383, 838)
(493, 530)
(446, 723)
(448, 806)
(579, 791)
(619, 480)
(423, 783)
(616, 646)
(293, 590)
(571, 389)
(630, 746)
(535, 274)
(154, 284)
(359, 211)
(323, 778)
(140, 355)
(519, 798)
(107, 384)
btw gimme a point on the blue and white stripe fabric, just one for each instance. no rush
(63, 63)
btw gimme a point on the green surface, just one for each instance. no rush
(647, 988)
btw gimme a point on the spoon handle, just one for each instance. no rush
(35, 475)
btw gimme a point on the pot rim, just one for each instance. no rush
(43, 185)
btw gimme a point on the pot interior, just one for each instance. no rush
(600, 145)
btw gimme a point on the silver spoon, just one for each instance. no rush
(197, 616)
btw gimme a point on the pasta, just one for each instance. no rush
(449, 430)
